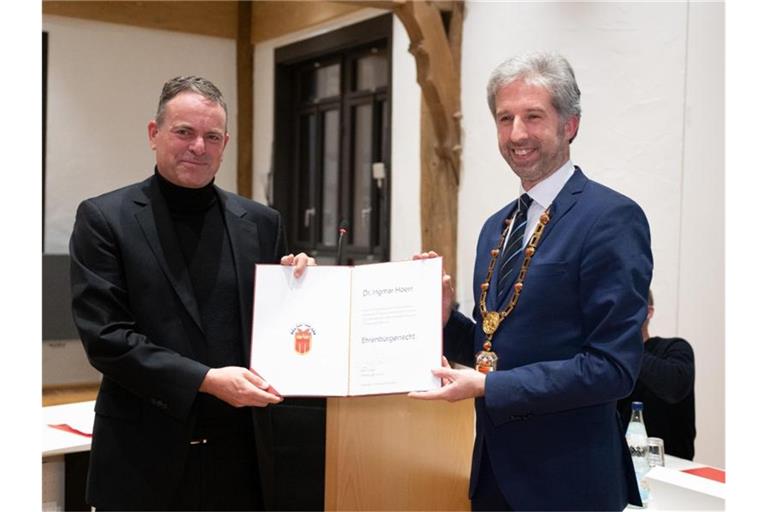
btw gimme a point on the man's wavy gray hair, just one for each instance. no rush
(549, 70)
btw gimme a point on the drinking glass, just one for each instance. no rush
(655, 451)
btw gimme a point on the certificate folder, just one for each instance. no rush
(343, 331)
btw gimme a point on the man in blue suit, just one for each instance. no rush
(560, 286)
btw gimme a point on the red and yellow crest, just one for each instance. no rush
(302, 340)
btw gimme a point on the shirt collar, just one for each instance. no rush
(544, 192)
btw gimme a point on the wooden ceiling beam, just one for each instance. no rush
(442, 5)
(437, 74)
(446, 5)
(275, 19)
(209, 18)
(245, 71)
(378, 4)
(218, 19)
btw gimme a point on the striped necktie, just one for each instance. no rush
(512, 249)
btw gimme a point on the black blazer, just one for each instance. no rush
(134, 308)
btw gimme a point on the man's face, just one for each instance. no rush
(190, 141)
(533, 139)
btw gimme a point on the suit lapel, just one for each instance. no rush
(564, 201)
(562, 204)
(155, 222)
(244, 240)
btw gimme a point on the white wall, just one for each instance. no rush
(701, 299)
(651, 78)
(104, 81)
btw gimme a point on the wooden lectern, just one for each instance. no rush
(397, 453)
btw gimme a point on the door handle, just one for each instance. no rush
(309, 214)
(366, 214)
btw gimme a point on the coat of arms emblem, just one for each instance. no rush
(302, 338)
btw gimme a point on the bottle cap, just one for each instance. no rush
(637, 406)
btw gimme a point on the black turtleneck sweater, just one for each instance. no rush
(204, 242)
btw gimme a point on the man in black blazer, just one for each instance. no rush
(162, 277)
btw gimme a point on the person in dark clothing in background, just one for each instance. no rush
(665, 386)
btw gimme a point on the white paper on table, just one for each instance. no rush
(371, 329)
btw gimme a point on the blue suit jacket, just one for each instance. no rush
(569, 350)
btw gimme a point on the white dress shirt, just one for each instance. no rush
(542, 194)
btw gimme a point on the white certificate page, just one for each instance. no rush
(396, 328)
(300, 336)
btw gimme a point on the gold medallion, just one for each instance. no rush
(486, 361)
(491, 322)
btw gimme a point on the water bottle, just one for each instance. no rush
(637, 440)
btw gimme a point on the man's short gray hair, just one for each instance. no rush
(180, 84)
(549, 70)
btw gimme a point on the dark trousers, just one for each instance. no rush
(487, 494)
(220, 474)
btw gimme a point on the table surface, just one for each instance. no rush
(77, 415)
(672, 462)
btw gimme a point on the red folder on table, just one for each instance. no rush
(71, 430)
(717, 475)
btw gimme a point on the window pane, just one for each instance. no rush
(378, 224)
(320, 82)
(330, 176)
(328, 81)
(371, 72)
(307, 166)
(361, 222)
(307, 85)
(384, 127)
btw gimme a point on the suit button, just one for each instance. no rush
(158, 403)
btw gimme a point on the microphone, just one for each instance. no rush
(342, 243)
